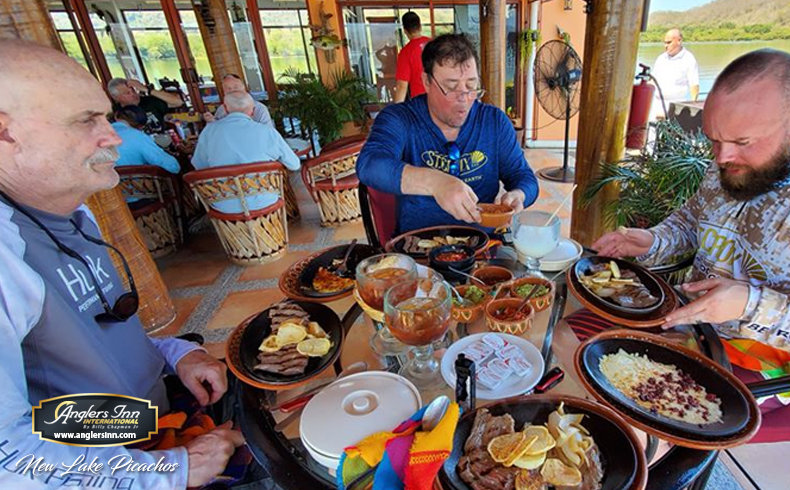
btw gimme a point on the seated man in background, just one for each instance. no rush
(737, 222)
(138, 148)
(444, 151)
(60, 335)
(234, 84)
(154, 102)
(237, 139)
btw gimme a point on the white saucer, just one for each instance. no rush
(567, 252)
(513, 385)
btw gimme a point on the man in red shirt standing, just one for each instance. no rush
(409, 72)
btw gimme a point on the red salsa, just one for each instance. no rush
(451, 256)
(509, 314)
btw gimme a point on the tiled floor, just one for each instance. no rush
(212, 296)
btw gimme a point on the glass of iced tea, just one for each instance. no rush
(418, 313)
(375, 275)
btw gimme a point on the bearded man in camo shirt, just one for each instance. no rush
(737, 221)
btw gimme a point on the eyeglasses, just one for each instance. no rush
(454, 154)
(126, 305)
(477, 93)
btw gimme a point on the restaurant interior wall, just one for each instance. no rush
(552, 17)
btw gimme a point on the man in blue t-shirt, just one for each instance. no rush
(445, 151)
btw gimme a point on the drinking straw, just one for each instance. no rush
(561, 205)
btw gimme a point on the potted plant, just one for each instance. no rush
(654, 182)
(323, 108)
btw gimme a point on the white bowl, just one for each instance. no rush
(567, 252)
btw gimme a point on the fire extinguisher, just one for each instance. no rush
(641, 98)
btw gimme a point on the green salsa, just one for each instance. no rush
(526, 289)
(472, 296)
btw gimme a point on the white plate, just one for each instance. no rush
(513, 385)
(567, 252)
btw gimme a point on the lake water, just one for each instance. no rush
(711, 57)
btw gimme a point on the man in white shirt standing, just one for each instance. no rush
(677, 73)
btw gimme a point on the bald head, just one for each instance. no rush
(673, 42)
(762, 64)
(27, 75)
(56, 145)
(238, 102)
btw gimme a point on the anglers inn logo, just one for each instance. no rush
(95, 419)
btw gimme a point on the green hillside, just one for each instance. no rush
(725, 20)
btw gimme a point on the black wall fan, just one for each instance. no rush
(558, 73)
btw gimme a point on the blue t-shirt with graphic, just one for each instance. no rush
(405, 134)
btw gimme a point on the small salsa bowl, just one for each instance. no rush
(495, 215)
(469, 314)
(517, 326)
(538, 303)
(462, 264)
(492, 275)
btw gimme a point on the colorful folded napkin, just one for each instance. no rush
(405, 458)
(757, 356)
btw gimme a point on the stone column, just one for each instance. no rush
(610, 50)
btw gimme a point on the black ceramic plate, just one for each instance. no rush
(623, 465)
(583, 265)
(260, 328)
(477, 238)
(358, 254)
(734, 406)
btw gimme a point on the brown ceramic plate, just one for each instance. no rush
(291, 286)
(740, 414)
(242, 348)
(649, 320)
(478, 239)
(622, 457)
(583, 266)
(359, 253)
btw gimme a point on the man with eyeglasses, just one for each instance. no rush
(67, 323)
(443, 152)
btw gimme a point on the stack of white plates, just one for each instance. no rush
(353, 408)
(567, 252)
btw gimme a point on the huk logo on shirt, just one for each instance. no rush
(79, 284)
(469, 162)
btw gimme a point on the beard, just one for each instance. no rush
(756, 182)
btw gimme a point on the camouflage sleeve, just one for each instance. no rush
(770, 321)
(677, 235)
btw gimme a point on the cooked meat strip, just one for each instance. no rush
(286, 310)
(475, 438)
(285, 361)
(500, 478)
(504, 424)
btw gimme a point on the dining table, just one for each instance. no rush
(283, 455)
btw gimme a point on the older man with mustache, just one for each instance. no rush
(67, 323)
(737, 221)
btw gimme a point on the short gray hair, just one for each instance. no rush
(114, 84)
(238, 102)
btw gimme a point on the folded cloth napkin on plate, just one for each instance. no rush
(404, 458)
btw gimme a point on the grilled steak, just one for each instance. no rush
(286, 310)
(286, 361)
(476, 467)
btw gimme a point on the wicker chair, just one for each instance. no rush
(157, 210)
(332, 182)
(252, 236)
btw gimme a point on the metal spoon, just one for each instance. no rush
(343, 268)
(467, 275)
(434, 412)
